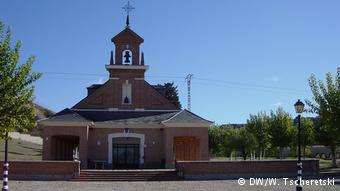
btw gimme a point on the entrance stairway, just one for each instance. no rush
(128, 175)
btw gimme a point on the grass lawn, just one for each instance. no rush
(327, 164)
(21, 150)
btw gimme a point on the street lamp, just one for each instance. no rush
(299, 107)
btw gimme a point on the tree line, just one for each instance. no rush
(261, 136)
(269, 134)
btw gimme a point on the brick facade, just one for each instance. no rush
(80, 132)
(109, 96)
(171, 133)
(158, 148)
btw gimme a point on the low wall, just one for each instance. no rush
(199, 170)
(42, 170)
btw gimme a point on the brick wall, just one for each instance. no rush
(110, 95)
(153, 149)
(50, 131)
(199, 132)
(42, 170)
(244, 169)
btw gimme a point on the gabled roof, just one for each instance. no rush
(168, 118)
(151, 119)
(186, 116)
(67, 115)
(127, 35)
(100, 116)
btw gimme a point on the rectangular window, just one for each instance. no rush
(126, 93)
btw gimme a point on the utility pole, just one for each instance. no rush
(188, 80)
(5, 167)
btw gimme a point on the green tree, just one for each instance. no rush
(281, 129)
(307, 134)
(228, 132)
(171, 93)
(216, 138)
(259, 125)
(326, 104)
(16, 90)
(241, 140)
(229, 144)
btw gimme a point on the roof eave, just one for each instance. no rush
(65, 123)
(125, 125)
(184, 124)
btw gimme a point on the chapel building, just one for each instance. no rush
(125, 122)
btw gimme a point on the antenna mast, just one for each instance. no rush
(188, 80)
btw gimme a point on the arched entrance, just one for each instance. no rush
(126, 150)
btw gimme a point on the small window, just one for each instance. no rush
(126, 93)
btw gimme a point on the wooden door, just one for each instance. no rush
(186, 148)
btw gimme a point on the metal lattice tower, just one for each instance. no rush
(188, 80)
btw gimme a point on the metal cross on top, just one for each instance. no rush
(128, 8)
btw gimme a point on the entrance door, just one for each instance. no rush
(125, 153)
(186, 148)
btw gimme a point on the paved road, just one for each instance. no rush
(220, 185)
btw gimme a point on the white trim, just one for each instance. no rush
(139, 109)
(172, 117)
(135, 135)
(112, 78)
(41, 120)
(127, 67)
(139, 78)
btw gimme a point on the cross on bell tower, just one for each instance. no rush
(128, 8)
(127, 43)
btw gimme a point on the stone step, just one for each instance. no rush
(127, 175)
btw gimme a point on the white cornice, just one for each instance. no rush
(126, 67)
(165, 121)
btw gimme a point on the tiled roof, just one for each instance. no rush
(127, 117)
(100, 116)
(151, 119)
(186, 116)
(67, 115)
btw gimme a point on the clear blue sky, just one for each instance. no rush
(256, 55)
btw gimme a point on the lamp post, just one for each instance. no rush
(299, 107)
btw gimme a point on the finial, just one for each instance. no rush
(128, 8)
(142, 59)
(112, 62)
(127, 21)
